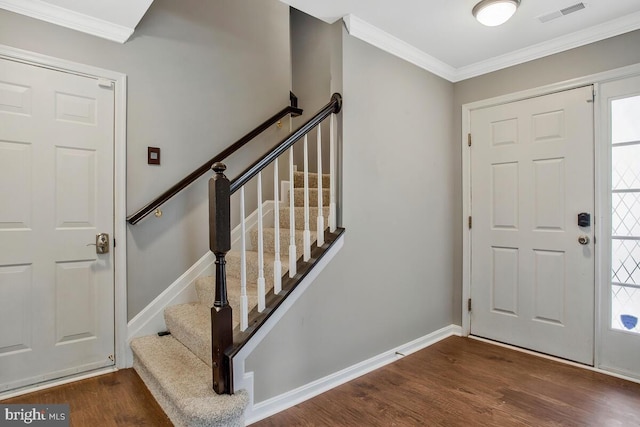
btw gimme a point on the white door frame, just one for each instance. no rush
(600, 190)
(120, 168)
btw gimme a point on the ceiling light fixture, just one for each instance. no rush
(495, 12)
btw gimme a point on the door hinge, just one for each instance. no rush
(470, 222)
(114, 242)
(105, 83)
(469, 304)
(469, 139)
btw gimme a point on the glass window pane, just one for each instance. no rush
(625, 215)
(625, 120)
(625, 167)
(625, 308)
(625, 260)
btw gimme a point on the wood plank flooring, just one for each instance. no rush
(464, 382)
(116, 399)
(456, 382)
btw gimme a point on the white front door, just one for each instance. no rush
(532, 174)
(56, 194)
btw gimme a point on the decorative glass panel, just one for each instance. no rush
(625, 126)
(625, 167)
(624, 261)
(625, 308)
(625, 215)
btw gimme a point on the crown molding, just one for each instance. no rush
(385, 41)
(69, 19)
(560, 44)
(393, 45)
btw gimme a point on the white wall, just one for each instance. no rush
(392, 281)
(200, 75)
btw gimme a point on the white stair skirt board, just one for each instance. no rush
(244, 380)
(261, 410)
(151, 319)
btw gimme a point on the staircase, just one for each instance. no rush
(177, 367)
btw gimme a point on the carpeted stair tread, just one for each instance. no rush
(181, 383)
(206, 291)
(299, 216)
(269, 239)
(298, 196)
(191, 325)
(298, 179)
(233, 264)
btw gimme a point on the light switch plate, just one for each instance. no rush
(153, 155)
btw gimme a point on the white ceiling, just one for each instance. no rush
(442, 36)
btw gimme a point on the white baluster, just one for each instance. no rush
(261, 284)
(277, 264)
(332, 176)
(307, 233)
(244, 300)
(292, 220)
(320, 239)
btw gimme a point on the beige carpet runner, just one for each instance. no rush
(177, 367)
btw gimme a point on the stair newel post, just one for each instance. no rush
(220, 244)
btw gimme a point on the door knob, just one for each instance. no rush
(101, 244)
(583, 240)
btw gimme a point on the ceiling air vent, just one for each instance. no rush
(560, 13)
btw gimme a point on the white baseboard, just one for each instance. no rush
(284, 401)
(56, 382)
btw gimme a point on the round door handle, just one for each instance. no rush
(583, 240)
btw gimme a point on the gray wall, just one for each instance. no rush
(605, 55)
(313, 57)
(200, 75)
(393, 280)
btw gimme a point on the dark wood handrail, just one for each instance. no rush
(189, 179)
(220, 191)
(334, 106)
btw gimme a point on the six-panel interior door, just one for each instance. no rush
(56, 194)
(532, 265)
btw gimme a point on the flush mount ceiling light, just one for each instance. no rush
(495, 12)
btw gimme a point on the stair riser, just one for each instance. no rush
(233, 266)
(298, 197)
(299, 217)
(191, 327)
(298, 180)
(205, 288)
(269, 241)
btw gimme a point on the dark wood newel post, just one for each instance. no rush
(220, 244)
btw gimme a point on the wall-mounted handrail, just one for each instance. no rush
(334, 106)
(189, 179)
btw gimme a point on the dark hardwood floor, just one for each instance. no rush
(116, 399)
(464, 382)
(456, 382)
